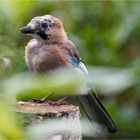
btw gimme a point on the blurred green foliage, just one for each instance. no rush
(107, 35)
(11, 127)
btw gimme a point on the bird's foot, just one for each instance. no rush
(58, 102)
(45, 100)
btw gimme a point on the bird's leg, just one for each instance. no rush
(45, 100)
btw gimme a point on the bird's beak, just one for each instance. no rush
(27, 30)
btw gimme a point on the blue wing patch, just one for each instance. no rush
(74, 61)
(78, 64)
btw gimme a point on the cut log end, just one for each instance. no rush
(38, 112)
(30, 107)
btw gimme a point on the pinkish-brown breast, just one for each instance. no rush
(43, 57)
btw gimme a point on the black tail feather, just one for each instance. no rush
(96, 111)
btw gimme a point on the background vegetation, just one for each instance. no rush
(107, 35)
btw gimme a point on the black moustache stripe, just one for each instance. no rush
(42, 35)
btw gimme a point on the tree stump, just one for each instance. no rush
(35, 113)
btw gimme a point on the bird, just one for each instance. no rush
(51, 48)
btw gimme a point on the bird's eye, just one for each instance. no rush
(44, 25)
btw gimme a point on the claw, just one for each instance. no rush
(45, 100)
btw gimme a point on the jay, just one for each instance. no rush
(51, 49)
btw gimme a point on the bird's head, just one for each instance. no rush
(47, 28)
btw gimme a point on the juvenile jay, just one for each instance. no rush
(51, 49)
